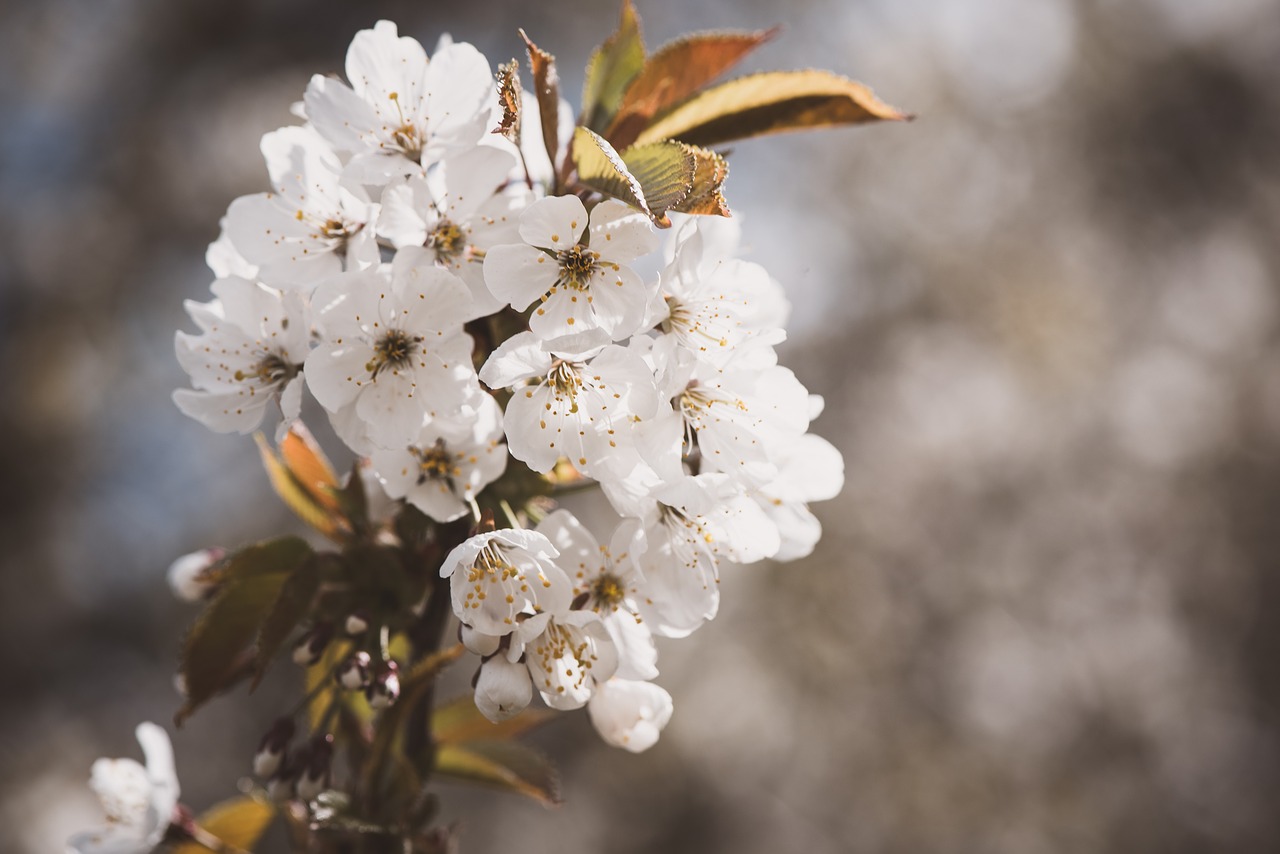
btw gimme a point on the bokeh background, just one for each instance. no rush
(1044, 317)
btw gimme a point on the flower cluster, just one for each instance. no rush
(419, 275)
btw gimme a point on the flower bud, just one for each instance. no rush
(189, 575)
(480, 644)
(271, 750)
(315, 773)
(357, 623)
(354, 673)
(312, 645)
(629, 714)
(503, 689)
(385, 688)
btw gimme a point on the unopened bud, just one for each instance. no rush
(315, 773)
(385, 688)
(271, 750)
(354, 673)
(480, 644)
(503, 689)
(312, 645)
(357, 623)
(189, 575)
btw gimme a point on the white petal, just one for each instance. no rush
(520, 357)
(556, 222)
(519, 274)
(621, 233)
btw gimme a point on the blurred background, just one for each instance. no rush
(1044, 320)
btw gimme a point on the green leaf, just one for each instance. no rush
(771, 102)
(238, 823)
(546, 88)
(506, 765)
(460, 721)
(654, 177)
(675, 72)
(217, 651)
(601, 168)
(610, 70)
(665, 171)
(291, 606)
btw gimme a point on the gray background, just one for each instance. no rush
(1043, 317)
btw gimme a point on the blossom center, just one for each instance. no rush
(447, 241)
(272, 369)
(607, 590)
(576, 266)
(406, 137)
(492, 563)
(395, 349)
(434, 463)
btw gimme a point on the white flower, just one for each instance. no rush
(576, 266)
(392, 350)
(607, 581)
(500, 577)
(304, 230)
(580, 405)
(188, 575)
(689, 528)
(457, 211)
(809, 469)
(138, 801)
(630, 714)
(401, 112)
(503, 689)
(449, 462)
(250, 352)
(740, 417)
(715, 305)
(567, 654)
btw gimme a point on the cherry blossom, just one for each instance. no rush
(392, 350)
(459, 209)
(448, 463)
(501, 577)
(401, 112)
(313, 224)
(139, 801)
(576, 266)
(249, 353)
(578, 404)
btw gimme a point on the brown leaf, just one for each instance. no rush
(705, 196)
(460, 721)
(676, 71)
(771, 102)
(315, 506)
(506, 765)
(237, 824)
(306, 460)
(509, 95)
(546, 88)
